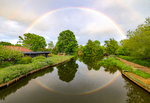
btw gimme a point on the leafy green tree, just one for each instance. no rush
(66, 42)
(6, 43)
(32, 41)
(138, 41)
(111, 46)
(87, 50)
(122, 50)
(50, 45)
(18, 44)
(92, 48)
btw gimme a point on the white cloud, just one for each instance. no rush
(16, 16)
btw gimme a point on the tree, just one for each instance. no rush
(32, 41)
(66, 42)
(138, 41)
(111, 46)
(50, 45)
(87, 50)
(122, 49)
(6, 43)
(18, 44)
(92, 48)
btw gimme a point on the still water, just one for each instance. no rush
(77, 81)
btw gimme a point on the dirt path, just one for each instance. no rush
(137, 66)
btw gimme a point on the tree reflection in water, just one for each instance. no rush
(111, 69)
(66, 71)
(135, 94)
(91, 61)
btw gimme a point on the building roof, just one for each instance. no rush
(22, 49)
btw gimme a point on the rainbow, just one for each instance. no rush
(86, 9)
(88, 92)
(79, 8)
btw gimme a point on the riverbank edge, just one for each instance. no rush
(139, 84)
(136, 82)
(4, 85)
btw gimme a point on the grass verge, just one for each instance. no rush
(11, 72)
(112, 61)
(134, 60)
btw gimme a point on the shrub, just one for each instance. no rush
(26, 60)
(5, 64)
(55, 53)
(38, 58)
(49, 61)
(6, 54)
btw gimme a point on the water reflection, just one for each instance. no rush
(84, 82)
(135, 94)
(66, 71)
(111, 69)
(91, 61)
(21, 83)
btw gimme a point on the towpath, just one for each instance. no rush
(137, 66)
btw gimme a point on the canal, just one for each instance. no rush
(77, 81)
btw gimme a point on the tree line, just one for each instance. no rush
(136, 45)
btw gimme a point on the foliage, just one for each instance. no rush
(6, 54)
(18, 45)
(32, 41)
(26, 60)
(15, 71)
(111, 46)
(135, 60)
(66, 71)
(66, 42)
(38, 58)
(6, 43)
(138, 41)
(122, 51)
(5, 64)
(91, 61)
(112, 61)
(50, 45)
(92, 48)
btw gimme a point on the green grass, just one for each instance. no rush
(112, 61)
(137, 61)
(57, 59)
(11, 72)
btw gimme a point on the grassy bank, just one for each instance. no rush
(112, 61)
(11, 72)
(134, 60)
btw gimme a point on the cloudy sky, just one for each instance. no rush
(88, 19)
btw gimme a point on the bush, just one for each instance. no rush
(5, 64)
(6, 54)
(15, 71)
(55, 53)
(38, 58)
(26, 60)
(49, 61)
